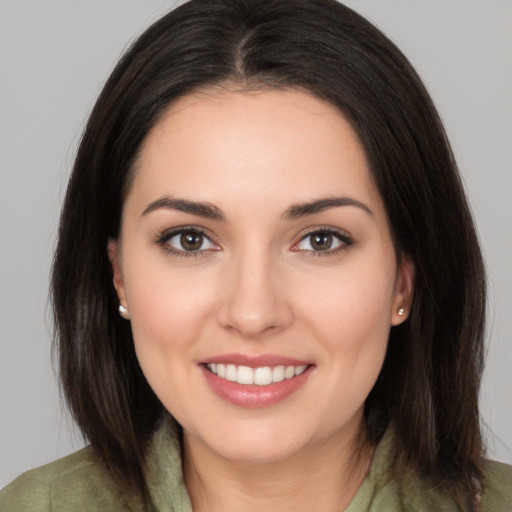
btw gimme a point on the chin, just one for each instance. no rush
(256, 443)
(262, 452)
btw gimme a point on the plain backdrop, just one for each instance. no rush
(55, 56)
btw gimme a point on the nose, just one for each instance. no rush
(254, 301)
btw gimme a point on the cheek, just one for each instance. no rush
(351, 317)
(168, 311)
(355, 300)
(167, 308)
(353, 324)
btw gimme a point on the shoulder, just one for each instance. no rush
(389, 489)
(76, 482)
(497, 495)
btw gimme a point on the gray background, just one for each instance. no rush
(54, 57)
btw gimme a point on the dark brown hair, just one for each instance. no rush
(429, 383)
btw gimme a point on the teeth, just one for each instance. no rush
(262, 376)
(278, 374)
(245, 375)
(299, 369)
(231, 372)
(289, 372)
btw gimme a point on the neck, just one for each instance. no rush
(330, 471)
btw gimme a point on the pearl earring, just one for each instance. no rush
(401, 312)
(123, 311)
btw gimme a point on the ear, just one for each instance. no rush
(113, 251)
(404, 287)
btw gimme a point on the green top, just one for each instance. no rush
(79, 483)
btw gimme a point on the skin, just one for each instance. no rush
(259, 288)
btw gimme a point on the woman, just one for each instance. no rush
(265, 194)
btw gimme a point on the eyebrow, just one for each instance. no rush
(206, 210)
(299, 210)
(295, 211)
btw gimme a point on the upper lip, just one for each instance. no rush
(255, 361)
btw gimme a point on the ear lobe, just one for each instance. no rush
(114, 257)
(404, 288)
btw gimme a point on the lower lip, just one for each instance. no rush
(253, 396)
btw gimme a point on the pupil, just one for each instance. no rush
(321, 241)
(191, 241)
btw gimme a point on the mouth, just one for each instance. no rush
(259, 376)
(257, 381)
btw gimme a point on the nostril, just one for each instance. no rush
(252, 303)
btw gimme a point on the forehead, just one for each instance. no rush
(270, 145)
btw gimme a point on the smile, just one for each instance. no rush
(260, 376)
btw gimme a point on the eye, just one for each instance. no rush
(323, 241)
(186, 240)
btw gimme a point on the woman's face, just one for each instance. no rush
(255, 248)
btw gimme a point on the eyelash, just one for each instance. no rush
(162, 241)
(343, 237)
(168, 235)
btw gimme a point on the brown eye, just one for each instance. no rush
(191, 241)
(188, 241)
(321, 241)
